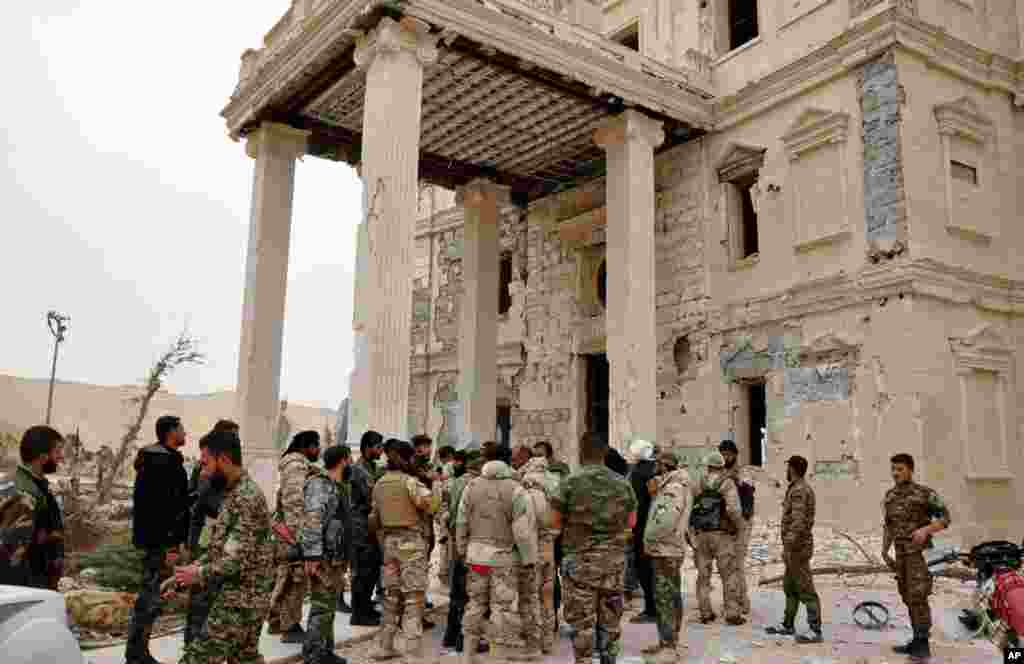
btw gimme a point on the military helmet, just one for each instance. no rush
(642, 450)
(474, 459)
(714, 460)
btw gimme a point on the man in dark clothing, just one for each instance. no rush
(31, 523)
(644, 470)
(160, 517)
(367, 557)
(206, 498)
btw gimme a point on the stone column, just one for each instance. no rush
(629, 141)
(393, 56)
(482, 202)
(275, 148)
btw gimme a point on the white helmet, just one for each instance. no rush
(642, 450)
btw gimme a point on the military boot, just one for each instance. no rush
(917, 646)
(530, 652)
(470, 651)
(416, 652)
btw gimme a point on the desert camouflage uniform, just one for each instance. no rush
(240, 553)
(291, 585)
(595, 504)
(665, 543)
(719, 546)
(322, 539)
(542, 485)
(907, 507)
(742, 542)
(798, 547)
(404, 575)
(488, 510)
(31, 532)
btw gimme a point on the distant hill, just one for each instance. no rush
(102, 412)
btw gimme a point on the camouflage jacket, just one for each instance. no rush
(909, 506)
(483, 551)
(542, 486)
(455, 495)
(294, 468)
(720, 481)
(595, 503)
(420, 495)
(240, 551)
(31, 532)
(797, 523)
(323, 528)
(665, 532)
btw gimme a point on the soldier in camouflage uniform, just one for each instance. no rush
(913, 513)
(31, 523)
(542, 485)
(596, 509)
(718, 544)
(665, 543)
(457, 585)
(296, 466)
(324, 552)
(241, 554)
(797, 549)
(496, 535)
(402, 508)
(732, 470)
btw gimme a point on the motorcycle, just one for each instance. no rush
(998, 611)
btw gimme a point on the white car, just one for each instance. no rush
(34, 628)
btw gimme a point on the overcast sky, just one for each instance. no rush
(124, 204)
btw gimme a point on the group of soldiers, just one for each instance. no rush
(519, 531)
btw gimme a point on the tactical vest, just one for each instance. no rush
(393, 502)
(490, 505)
(906, 510)
(708, 511)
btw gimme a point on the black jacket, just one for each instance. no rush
(362, 501)
(642, 471)
(206, 501)
(160, 512)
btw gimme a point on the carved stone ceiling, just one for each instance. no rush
(490, 116)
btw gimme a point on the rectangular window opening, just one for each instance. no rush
(503, 433)
(504, 281)
(747, 217)
(757, 407)
(742, 22)
(964, 172)
(629, 37)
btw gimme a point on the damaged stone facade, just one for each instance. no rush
(867, 322)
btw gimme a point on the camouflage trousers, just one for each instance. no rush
(323, 600)
(232, 635)
(717, 547)
(200, 600)
(798, 584)
(592, 591)
(547, 616)
(404, 579)
(528, 594)
(742, 548)
(668, 600)
(914, 582)
(494, 588)
(290, 589)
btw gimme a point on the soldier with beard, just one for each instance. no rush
(296, 467)
(240, 554)
(401, 507)
(31, 523)
(745, 490)
(665, 545)
(366, 560)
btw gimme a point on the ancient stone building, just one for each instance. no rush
(670, 220)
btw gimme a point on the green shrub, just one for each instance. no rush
(118, 566)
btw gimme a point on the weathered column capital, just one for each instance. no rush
(475, 191)
(278, 140)
(630, 126)
(392, 37)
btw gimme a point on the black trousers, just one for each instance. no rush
(456, 605)
(645, 575)
(148, 605)
(366, 573)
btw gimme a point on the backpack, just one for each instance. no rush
(708, 510)
(746, 492)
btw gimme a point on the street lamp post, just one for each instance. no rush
(58, 324)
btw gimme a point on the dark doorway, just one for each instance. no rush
(504, 428)
(597, 393)
(758, 409)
